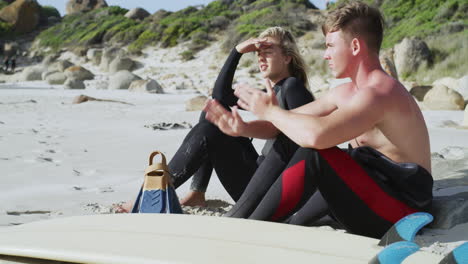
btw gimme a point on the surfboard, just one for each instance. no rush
(171, 238)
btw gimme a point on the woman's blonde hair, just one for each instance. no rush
(288, 45)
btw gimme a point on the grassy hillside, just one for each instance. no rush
(237, 19)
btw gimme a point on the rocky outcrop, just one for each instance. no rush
(450, 173)
(146, 86)
(24, 15)
(60, 66)
(122, 80)
(76, 6)
(108, 55)
(74, 84)
(78, 73)
(94, 55)
(137, 14)
(56, 78)
(419, 91)
(440, 97)
(32, 73)
(196, 104)
(463, 87)
(410, 54)
(119, 64)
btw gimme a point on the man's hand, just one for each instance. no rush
(256, 101)
(252, 44)
(230, 123)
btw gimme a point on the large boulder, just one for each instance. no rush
(32, 73)
(108, 55)
(463, 87)
(74, 84)
(78, 73)
(450, 82)
(137, 13)
(410, 54)
(60, 66)
(56, 78)
(24, 15)
(146, 86)
(76, 6)
(440, 97)
(122, 80)
(119, 64)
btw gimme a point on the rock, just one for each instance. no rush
(108, 55)
(450, 82)
(449, 211)
(49, 59)
(196, 104)
(32, 73)
(388, 64)
(60, 66)
(56, 78)
(122, 80)
(465, 118)
(94, 55)
(137, 14)
(24, 15)
(441, 97)
(76, 6)
(47, 73)
(78, 73)
(410, 54)
(463, 87)
(119, 64)
(74, 84)
(420, 91)
(149, 86)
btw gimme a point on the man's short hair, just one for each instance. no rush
(357, 19)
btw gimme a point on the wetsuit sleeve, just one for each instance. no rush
(295, 94)
(222, 90)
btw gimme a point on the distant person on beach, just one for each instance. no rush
(384, 175)
(229, 149)
(6, 62)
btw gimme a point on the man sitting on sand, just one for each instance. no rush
(385, 173)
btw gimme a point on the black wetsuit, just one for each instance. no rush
(362, 189)
(234, 159)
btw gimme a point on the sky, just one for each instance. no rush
(150, 5)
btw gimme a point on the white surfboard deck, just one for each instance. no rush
(163, 238)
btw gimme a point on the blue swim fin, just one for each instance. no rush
(406, 228)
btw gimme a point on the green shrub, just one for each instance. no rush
(49, 11)
(187, 55)
(3, 4)
(143, 40)
(6, 29)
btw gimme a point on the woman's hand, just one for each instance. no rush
(252, 44)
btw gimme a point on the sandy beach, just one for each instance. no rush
(61, 159)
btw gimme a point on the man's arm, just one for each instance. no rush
(309, 127)
(231, 123)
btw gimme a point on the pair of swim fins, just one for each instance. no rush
(157, 195)
(399, 242)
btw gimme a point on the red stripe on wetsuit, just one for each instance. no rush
(364, 186)
(354, 177)
(292, 187)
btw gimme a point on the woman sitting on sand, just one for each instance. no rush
(232, 154)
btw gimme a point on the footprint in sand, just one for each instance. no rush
(45, 159)
(106, 189)
(28, 212)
